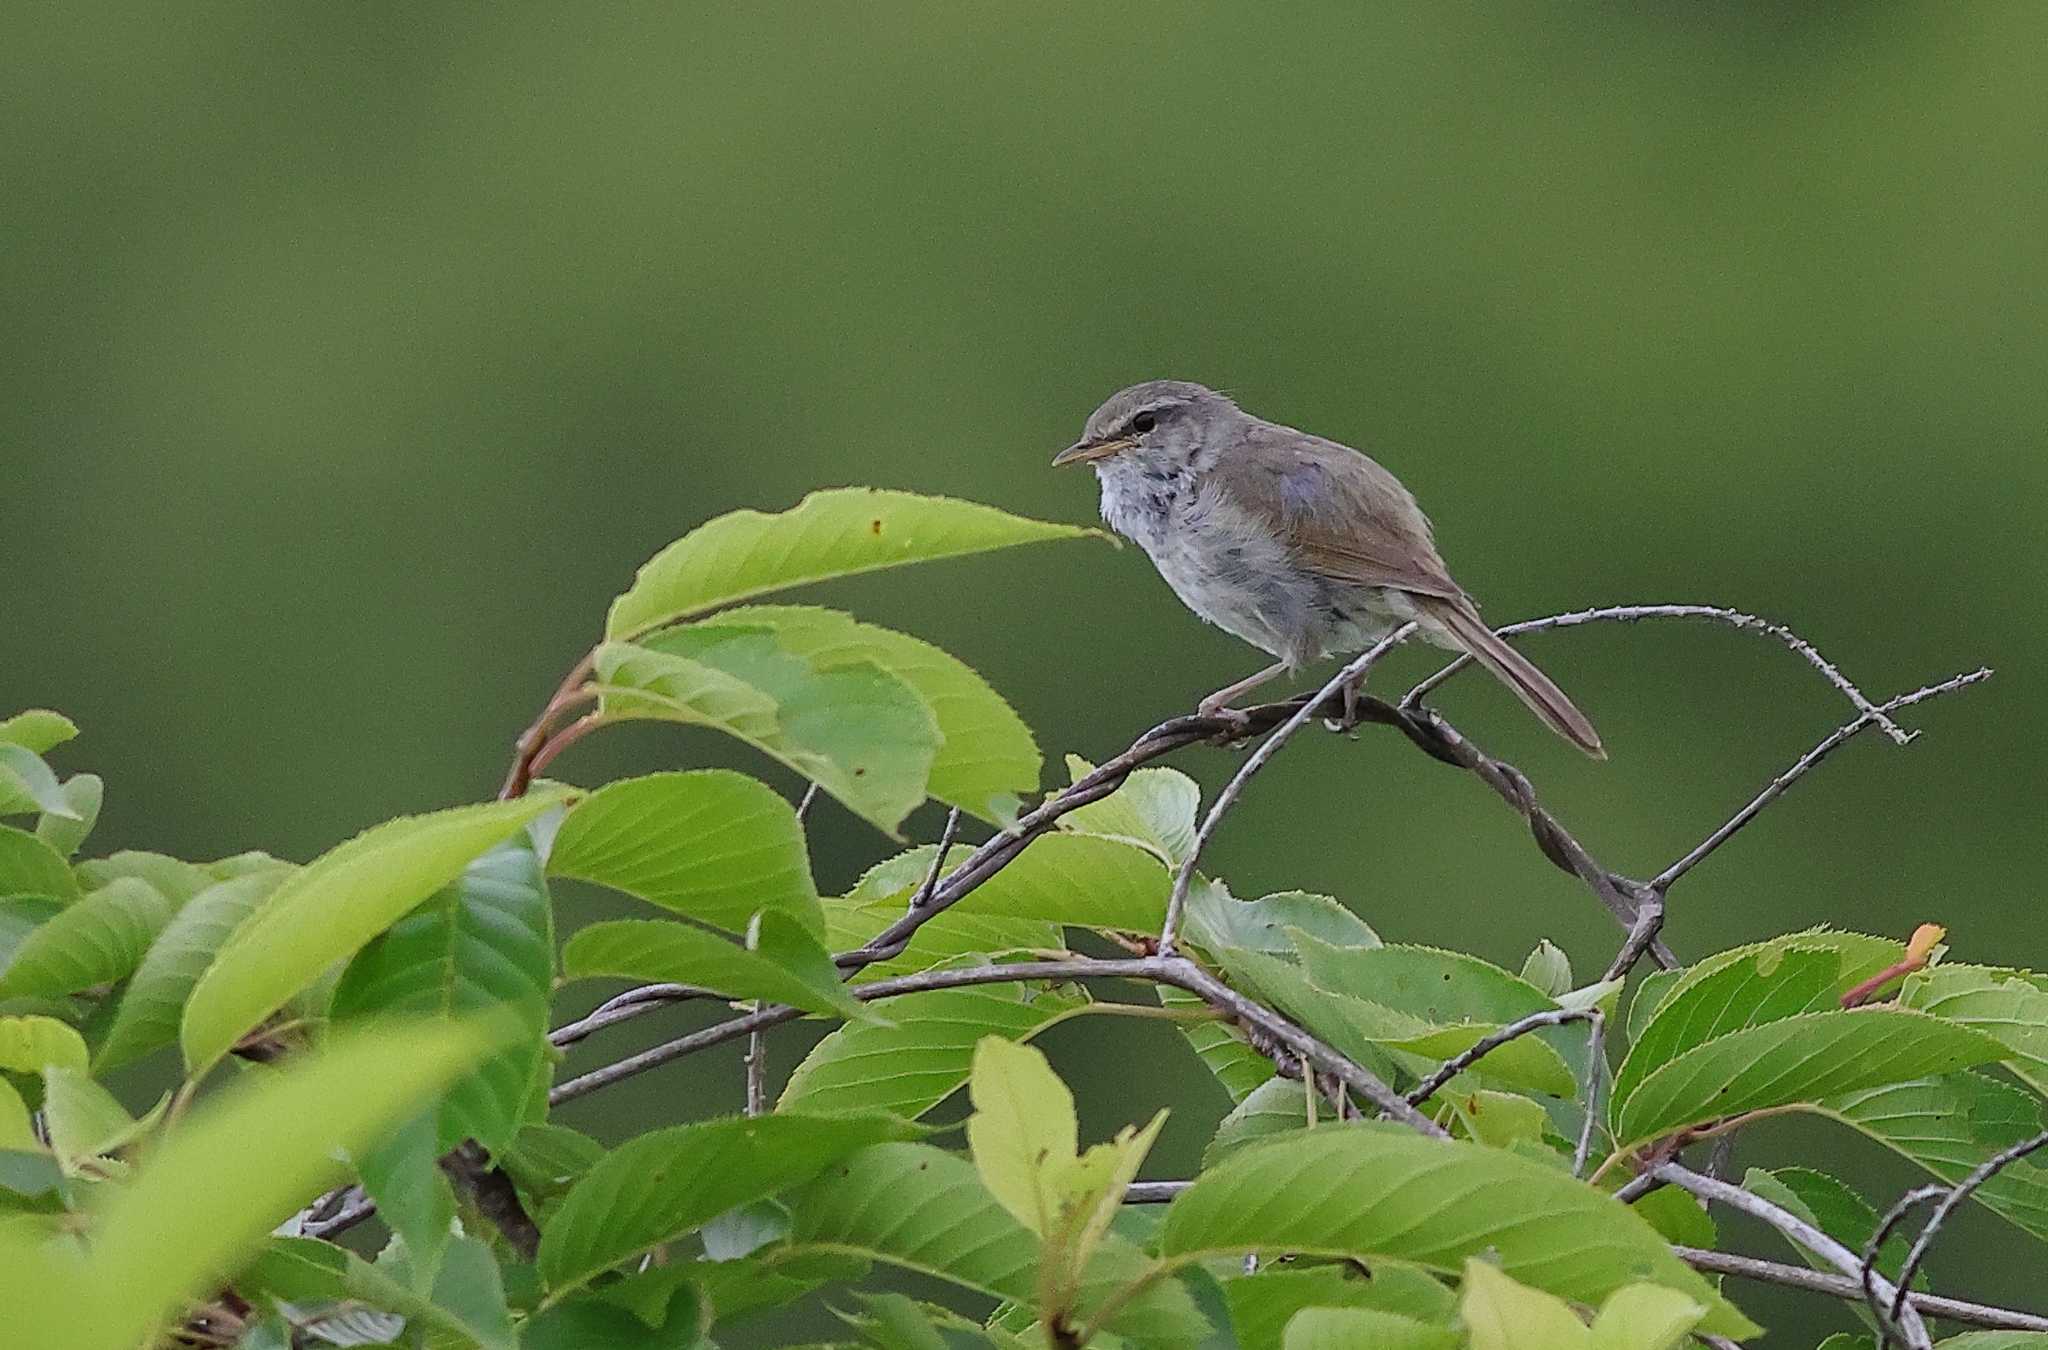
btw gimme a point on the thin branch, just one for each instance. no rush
(1842, 1286)
(803, 807)
(1154, 1192)
(624, 1007)
(1962, 1191)
(567, 695)
(1596, 1062)
(755, 1062)
(1801, 1232)
(1716, 613)
(1169, 932)
(1804, 765)
(1492, 1041)
(923, 893)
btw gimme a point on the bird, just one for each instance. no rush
(1300, 546)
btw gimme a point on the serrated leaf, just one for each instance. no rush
(1154, 809)
(1650, 995)
(1776, 983)
(38, 729)
(329, 909)
(925, 1052)
(155, 999)
(27, 785)
(1262, 1305)
(1548, 968)
(711, 844)
(1276, 1106)
(1022, 1129)
(1353, 1328)
(1062, 878)
(986, 754)
(213, 1187)
(1373, 1191)
(1861, 956)
(790, 966)
(1217, 920)
(84, 1119)
(1833, 1208)
(1440, 987)
(28, 866)
(174, 877)
(1223, 1052)
(1795, 1059)
(667, 1182)
(946, 935)
(924, 1210)
(2000, 1003)
(83, 794)
(484, 940)
(858, 730)
(1953, 1124)
(32, 1043)
(834, 533)
(99, 940)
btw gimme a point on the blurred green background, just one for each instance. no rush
(355, 355)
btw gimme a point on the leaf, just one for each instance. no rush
(38, 730)
(1223, 1052)
(403, 1176)
(21, 915)
(1548, 968)
(1216, 920)
(173, 877)
(946, 935)
(1776, 983)
(546, 1160)
(28, 866)
(31, 1043)
(1021, 1131)
(26, 784)
(17, 1134)
(1650, 995)
(665, 1183)
(860, 732)
(1645, 1317)
(1502, 1314)
(329, 909)
(466, 1307)
(711, 844)
(789, 967)
(923, 1210)
(484, 940)
(1062, 878)
(213, 1187)
(1998, 1002)
(1950, 1126)
(99, 940)
(1442, 988)
(1833, 1208)
(1372, 1191)
(1276, 1106)
(84, 1119)
(1351, 1328)
(1262, 1305)
(155, 999)
(986, 757)
(1795, 1059)
(1996, 1340)
(925, 1052)
(1861, 956)
(1153, 809)
(834, 533)
(83, 793)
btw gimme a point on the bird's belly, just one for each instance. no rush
(1252, 589)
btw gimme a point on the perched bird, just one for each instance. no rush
(1300, 546)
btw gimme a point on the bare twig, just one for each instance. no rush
(1154, 1192)
(1492, 1041)
(1843, 1286)
(755, 1063)
(803, 806)
(924, 891)
(1950, 1198)
(1715, 613)
(1596, 1064)
(1169, 932)
(1805, 1234)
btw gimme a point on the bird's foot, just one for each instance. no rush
(1237, 723)
(1347, 725)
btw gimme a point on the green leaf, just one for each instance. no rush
(155, 1000)
(1153, 809)
(38, 730)
(860, 732)
(1833, 1208)
(1996, 1340)
(327, 910)
(21, 915)
(1351, 1328)
(28, 866)
(1022, 1129)
(601, 1322)
(665, 1183)
(83, 794)
(1953, 1124)
(1276, 1106)
(99, 940)
(946, 935)
(1548, 968)
(1442, 988)
(26, 784)
(1223, 1052)
(925, 1052)
(1650, 995)
(212, 1189)
(403, 1176)
(1774, 984)
(923, 1210)
(84, 1119)
(17, 1134)
(484, 940)
(986, 757)
(1645, 1317)
(1372, 1191)
(789, 966)
(833, 533)
(1217, 920)
(1503, 1314)
(546, 1160)
(711, 844)
(1262, 1305)
(173, 877)
(2001, 1003)
(466, 1309)
(1062, 878)
(31, 1043)
(1795, 1059)
(1861, 956)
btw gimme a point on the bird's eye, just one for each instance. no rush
(1143, 423)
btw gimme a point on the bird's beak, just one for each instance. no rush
(1081, 452)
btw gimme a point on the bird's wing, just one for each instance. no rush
(1349, 519)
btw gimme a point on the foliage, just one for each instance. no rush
(379, 1017)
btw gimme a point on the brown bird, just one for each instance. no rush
(1298, 545)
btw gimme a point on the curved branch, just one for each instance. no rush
(1486, 1045)
(1953, 1197)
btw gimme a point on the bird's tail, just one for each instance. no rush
(1514, 670)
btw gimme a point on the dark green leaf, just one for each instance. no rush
(1276, 1106)
(403, 1175)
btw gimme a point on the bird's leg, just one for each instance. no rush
(1219, 701)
